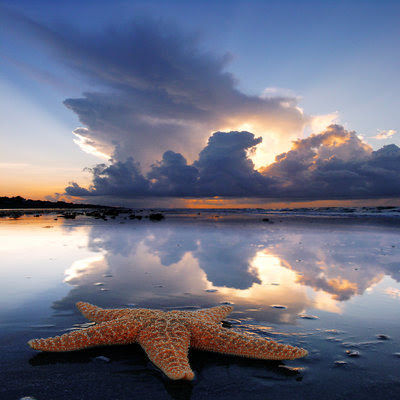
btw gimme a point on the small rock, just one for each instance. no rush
(382, 336)
(340, 363)
(353, 353)
(306, 316)
(279, 306)
(156, 217)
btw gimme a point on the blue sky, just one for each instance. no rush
(334, 61)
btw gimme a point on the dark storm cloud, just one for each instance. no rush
(336, 164)
(164, 88)
(152, 84)
(222, 169)
(225, 169)
(329, 165)
(173, 175)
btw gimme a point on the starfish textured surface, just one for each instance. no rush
(167, 336)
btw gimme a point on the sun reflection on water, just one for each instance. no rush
(270, 273)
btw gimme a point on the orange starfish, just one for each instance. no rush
(166, 336)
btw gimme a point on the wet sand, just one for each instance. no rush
(328, 284)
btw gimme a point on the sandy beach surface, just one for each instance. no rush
(326, 280)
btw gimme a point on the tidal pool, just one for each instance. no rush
(331, 286)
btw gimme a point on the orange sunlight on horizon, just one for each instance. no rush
(218, 202)
(37, 182)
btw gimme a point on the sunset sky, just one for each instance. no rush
(262, 101)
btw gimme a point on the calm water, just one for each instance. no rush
(330, 286)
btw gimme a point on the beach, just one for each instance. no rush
(327, 280)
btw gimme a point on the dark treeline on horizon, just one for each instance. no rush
(20, 202)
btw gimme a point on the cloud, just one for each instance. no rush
(385, 134)
(160, 86)
(334, 164)
(156, 94)
(152, 83)
(223, 168)
(118, 179)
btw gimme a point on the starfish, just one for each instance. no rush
(166, 336)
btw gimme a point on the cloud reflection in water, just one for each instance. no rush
(253, 266)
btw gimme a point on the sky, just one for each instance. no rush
(192, 103)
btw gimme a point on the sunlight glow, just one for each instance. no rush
(86, 146)
(321, 122)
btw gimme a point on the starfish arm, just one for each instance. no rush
(114, 332)
(98, 314)
(212, 337)
(166, 344)
(214, 314)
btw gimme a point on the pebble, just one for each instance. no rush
(211, 290)
(306, 316)
(278, 306)
(340, 363)
(353, 353)
(381, 336)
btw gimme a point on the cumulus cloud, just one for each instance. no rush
(333, 164)
(385, 134)
(223, 168)
(157, 95)
(336, 164)
(154, 84)
(160, 86)
(119, 179)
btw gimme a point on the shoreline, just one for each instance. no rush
(334, 216)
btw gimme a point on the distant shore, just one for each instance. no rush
(19, 202)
